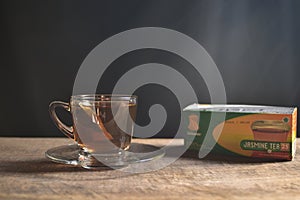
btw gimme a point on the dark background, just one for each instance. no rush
(254, 43)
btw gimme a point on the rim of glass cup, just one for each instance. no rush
(103, 97)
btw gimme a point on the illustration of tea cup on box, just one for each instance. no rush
(270, 130)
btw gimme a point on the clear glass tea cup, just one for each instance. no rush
(102, 127)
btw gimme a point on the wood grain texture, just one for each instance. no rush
(25, 173)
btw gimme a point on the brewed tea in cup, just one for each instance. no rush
(270, 130)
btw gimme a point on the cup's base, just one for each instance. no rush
(95, 161)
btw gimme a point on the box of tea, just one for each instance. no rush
(242, 130)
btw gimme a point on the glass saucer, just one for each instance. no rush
(69, 154)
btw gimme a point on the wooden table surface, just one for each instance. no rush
(25, 173)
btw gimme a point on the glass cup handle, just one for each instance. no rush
(67, 130)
